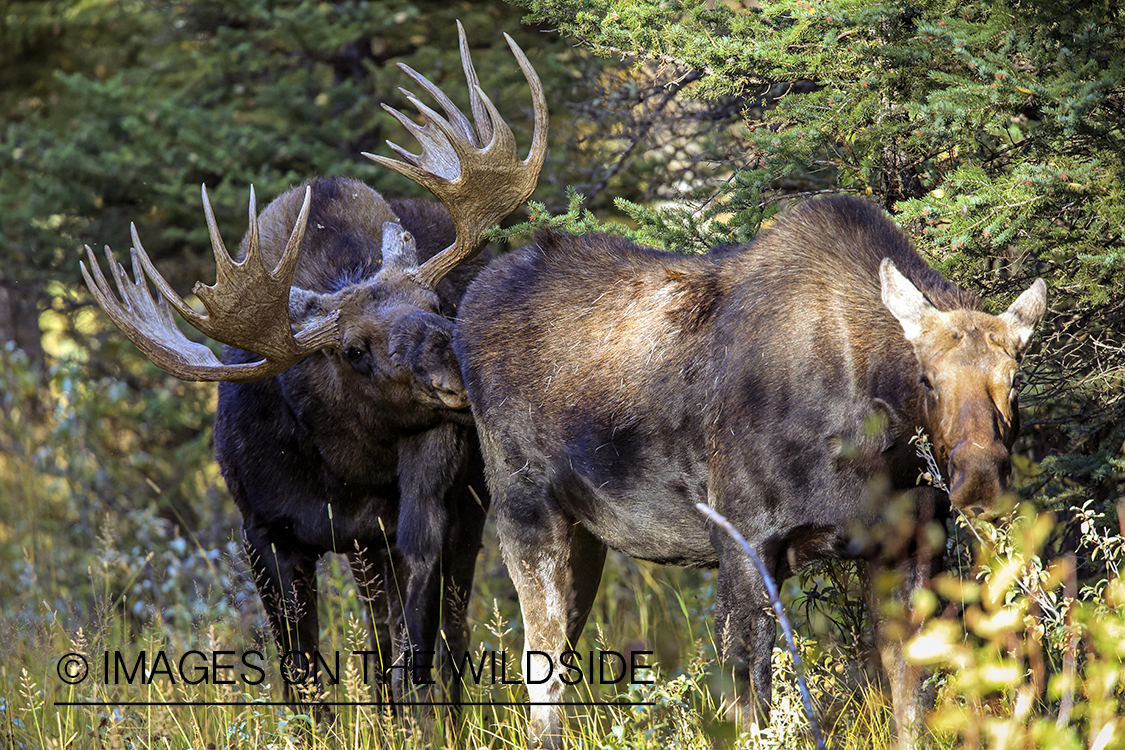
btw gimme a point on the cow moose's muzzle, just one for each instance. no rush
(979, 476)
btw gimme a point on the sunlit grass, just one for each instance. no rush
(684, 703)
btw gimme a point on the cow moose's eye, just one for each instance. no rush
(925, 382)
(1017, 381)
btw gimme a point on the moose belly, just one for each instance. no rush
(652, 520)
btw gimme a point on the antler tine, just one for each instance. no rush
(538, 152)
(501, 140)
(148, 323)
(456, 118)
(501, 144)
(224, 266)
(288, 263)
(480, 185)
(247, 307)
(484, 124)
(99, 287)
(439, 156)
(325, 332)
(165, 289)
(445, 150)
(253, 233)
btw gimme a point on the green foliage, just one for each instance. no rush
(1027, 660)
(109, 499)
(993, 131)
(684, 229)
(118, 112)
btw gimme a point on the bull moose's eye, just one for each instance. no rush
(357, 356)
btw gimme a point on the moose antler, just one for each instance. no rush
(478, 176)
(480, 180)
(247, 307)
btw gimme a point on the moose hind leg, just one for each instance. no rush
(587, 559)
(286, 583)
(746, 631)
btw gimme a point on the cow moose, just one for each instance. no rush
(354, 434)
(614, 387)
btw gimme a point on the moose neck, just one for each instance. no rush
(841, 345)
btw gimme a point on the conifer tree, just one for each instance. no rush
(115, 112)
(993, 131)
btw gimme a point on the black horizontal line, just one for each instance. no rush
(175, 704)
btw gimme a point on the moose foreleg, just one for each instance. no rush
(378, 591)
(467, 507)
(891, 589)
(556, 566)
(428, 489)
(746, 631)
(286, 583)
(891, 592)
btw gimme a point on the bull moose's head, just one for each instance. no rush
(970, 379)
(391, 335)
(384, 326)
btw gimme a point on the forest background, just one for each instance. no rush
(994, 133)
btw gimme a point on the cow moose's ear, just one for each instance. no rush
(1023, 316)
(399, 252)
(909, 306)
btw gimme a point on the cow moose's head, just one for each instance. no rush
(969, 375)
(385, 327)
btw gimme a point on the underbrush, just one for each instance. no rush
(118, 542)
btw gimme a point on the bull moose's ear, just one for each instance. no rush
(1023, 316)
(903, 299)
(306, 307)
(399, 252)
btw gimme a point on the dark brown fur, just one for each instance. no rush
(614, 387)
(357, 449)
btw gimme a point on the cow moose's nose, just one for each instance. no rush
(979, 474)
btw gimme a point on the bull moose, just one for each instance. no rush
(614, 387)
(354, 434)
